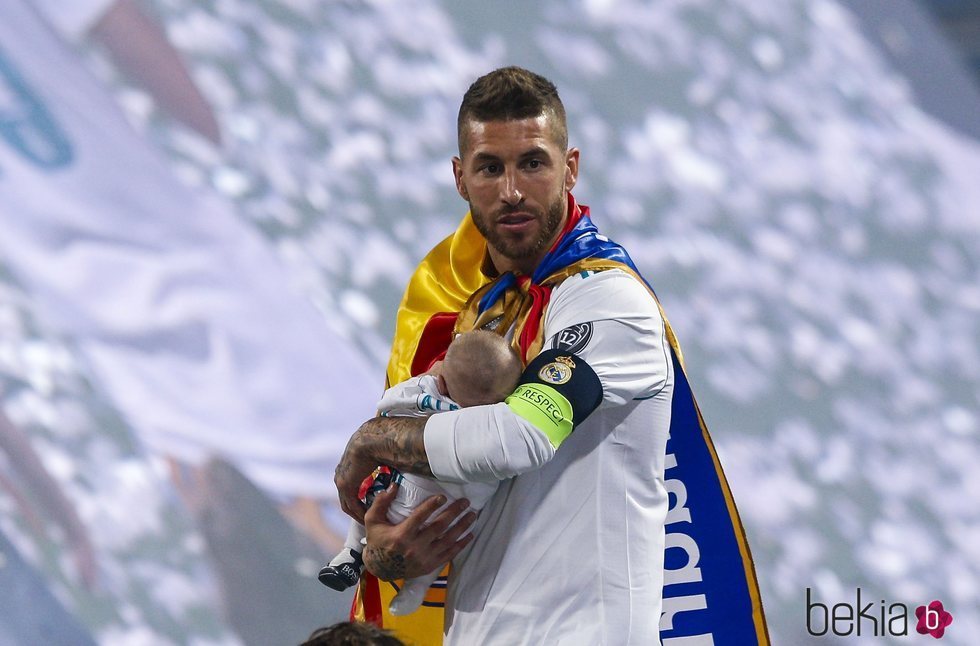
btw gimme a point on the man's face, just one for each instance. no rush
(516, 179)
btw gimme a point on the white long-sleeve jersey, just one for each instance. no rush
(570, 548)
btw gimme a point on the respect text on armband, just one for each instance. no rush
(544, 407)
(542, 401)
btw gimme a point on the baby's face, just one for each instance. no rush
(443, 386)
(455, 383)
(438, 371)
(449, 379)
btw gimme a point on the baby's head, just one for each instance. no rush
(480, 368)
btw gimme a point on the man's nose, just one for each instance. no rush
(510, 191)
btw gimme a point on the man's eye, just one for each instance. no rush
(491, 169)
(534, 164)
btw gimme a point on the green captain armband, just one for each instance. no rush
(557, 391)
(544, 407)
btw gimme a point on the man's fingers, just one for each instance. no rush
(449, 552)
(348, 485)
(453, 533)
(350, 504)
(354, 509)
(421, 514)
(414, 546)
(447, 545)
(446, 517)
(382, 501)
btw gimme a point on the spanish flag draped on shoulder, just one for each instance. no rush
(711, 594)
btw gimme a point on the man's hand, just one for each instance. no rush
(354, 466)
(412, 548)
(393, 441)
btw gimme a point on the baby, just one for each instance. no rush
(480, 368)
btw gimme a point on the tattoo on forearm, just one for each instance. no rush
(398, 442)
(386, 564)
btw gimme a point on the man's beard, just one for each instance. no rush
(524, 249)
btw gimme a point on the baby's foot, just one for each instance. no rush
(343, 571)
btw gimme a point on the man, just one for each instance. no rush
(571, 547)
(603, 493)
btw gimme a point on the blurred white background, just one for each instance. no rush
(812, 231)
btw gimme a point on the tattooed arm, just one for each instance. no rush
(393, 441)
(397, 442)
(410, 548)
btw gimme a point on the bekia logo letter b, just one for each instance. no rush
(933, 619)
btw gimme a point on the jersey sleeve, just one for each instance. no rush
(484, 444)
(72, 18)
(612, 323)
(605, 346)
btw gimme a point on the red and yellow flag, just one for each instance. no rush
(436, 293)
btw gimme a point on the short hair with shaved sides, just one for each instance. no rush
(508, 94)
(480, 368)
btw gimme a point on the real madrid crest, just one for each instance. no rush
(558, 371)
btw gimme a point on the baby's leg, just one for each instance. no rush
(410, 495)
(410, 597)
(355, 537)
(344, 570)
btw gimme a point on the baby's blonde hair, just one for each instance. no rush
(480, 368)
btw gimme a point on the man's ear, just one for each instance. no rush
(458, 176)
(571, 168)
(441, 385)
